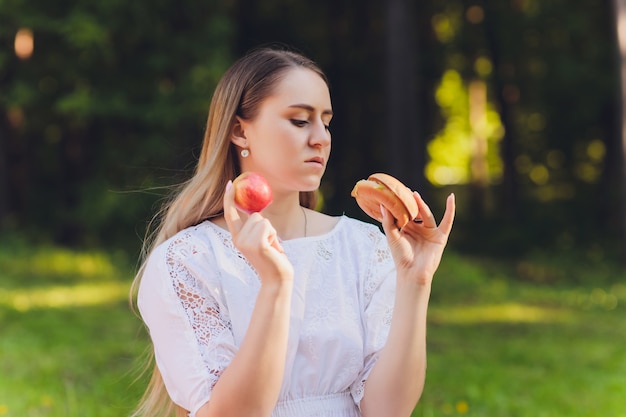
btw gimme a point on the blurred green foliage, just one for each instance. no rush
(451, 150)
(108, 112)
(110, 104)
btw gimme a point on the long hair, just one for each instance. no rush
(240, 92)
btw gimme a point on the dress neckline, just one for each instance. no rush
(340, 221)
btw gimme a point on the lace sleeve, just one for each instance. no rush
(190, 331)
(378, 292)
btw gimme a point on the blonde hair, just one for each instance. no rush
(240, 92)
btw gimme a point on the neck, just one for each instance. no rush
(287, 216)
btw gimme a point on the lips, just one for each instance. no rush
(317, 160)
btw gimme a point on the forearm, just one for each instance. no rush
(250, 385)
(396, 382)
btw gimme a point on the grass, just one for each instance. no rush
(69, 343)
(502, 344)
(532, 337)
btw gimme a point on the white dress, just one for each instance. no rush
(198, 292)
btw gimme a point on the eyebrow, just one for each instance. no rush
(310, 108)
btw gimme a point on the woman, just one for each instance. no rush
(287, 312)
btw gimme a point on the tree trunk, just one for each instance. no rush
(479, 167)
(406, 159)
(620, 21)
(6, 77)
(4, 175)
(510, 192)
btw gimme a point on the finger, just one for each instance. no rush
(428, 220)
(389, 223)
(231, 214)
(257, 226)
(275, 243)
(448, 218)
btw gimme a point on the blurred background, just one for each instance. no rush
(513, 105)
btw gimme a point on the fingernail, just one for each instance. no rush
(229, 185)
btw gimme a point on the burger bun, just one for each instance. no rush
(383, 189)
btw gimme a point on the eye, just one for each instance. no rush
(299, 123)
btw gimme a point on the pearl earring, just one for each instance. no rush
(245, 153)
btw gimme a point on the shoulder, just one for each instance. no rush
(187, 255)
(320, 224)
(367, 241)
(187, 243)
(363, 230)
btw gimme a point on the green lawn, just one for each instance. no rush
(506, 339)
(500, 347)
(69, 343)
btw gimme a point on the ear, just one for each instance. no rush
(238, 134)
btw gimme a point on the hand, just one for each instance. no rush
(417, 248)
(255, 237)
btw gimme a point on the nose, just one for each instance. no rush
(320, 135)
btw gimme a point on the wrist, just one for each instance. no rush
(277, 286)
(415, 282)
(412, 291)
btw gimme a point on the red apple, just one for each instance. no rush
(252, 192)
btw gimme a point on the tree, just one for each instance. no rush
(620, 24)
(506, 93)
(406, 152)
(112, 91)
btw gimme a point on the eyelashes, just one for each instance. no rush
(303, 123)
(299, 123)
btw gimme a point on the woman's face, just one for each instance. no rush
(289, 139)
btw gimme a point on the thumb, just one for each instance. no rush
(231, 214)
(389, 223)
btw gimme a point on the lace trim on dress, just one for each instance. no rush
(372, 283)
(203, 311)
(381, 256)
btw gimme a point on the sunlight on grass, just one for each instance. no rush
(67, 262)
(499, 313)
(60, 261)
(21, 265)
(62, 296)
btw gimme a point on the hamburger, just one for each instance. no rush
(384, 189)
